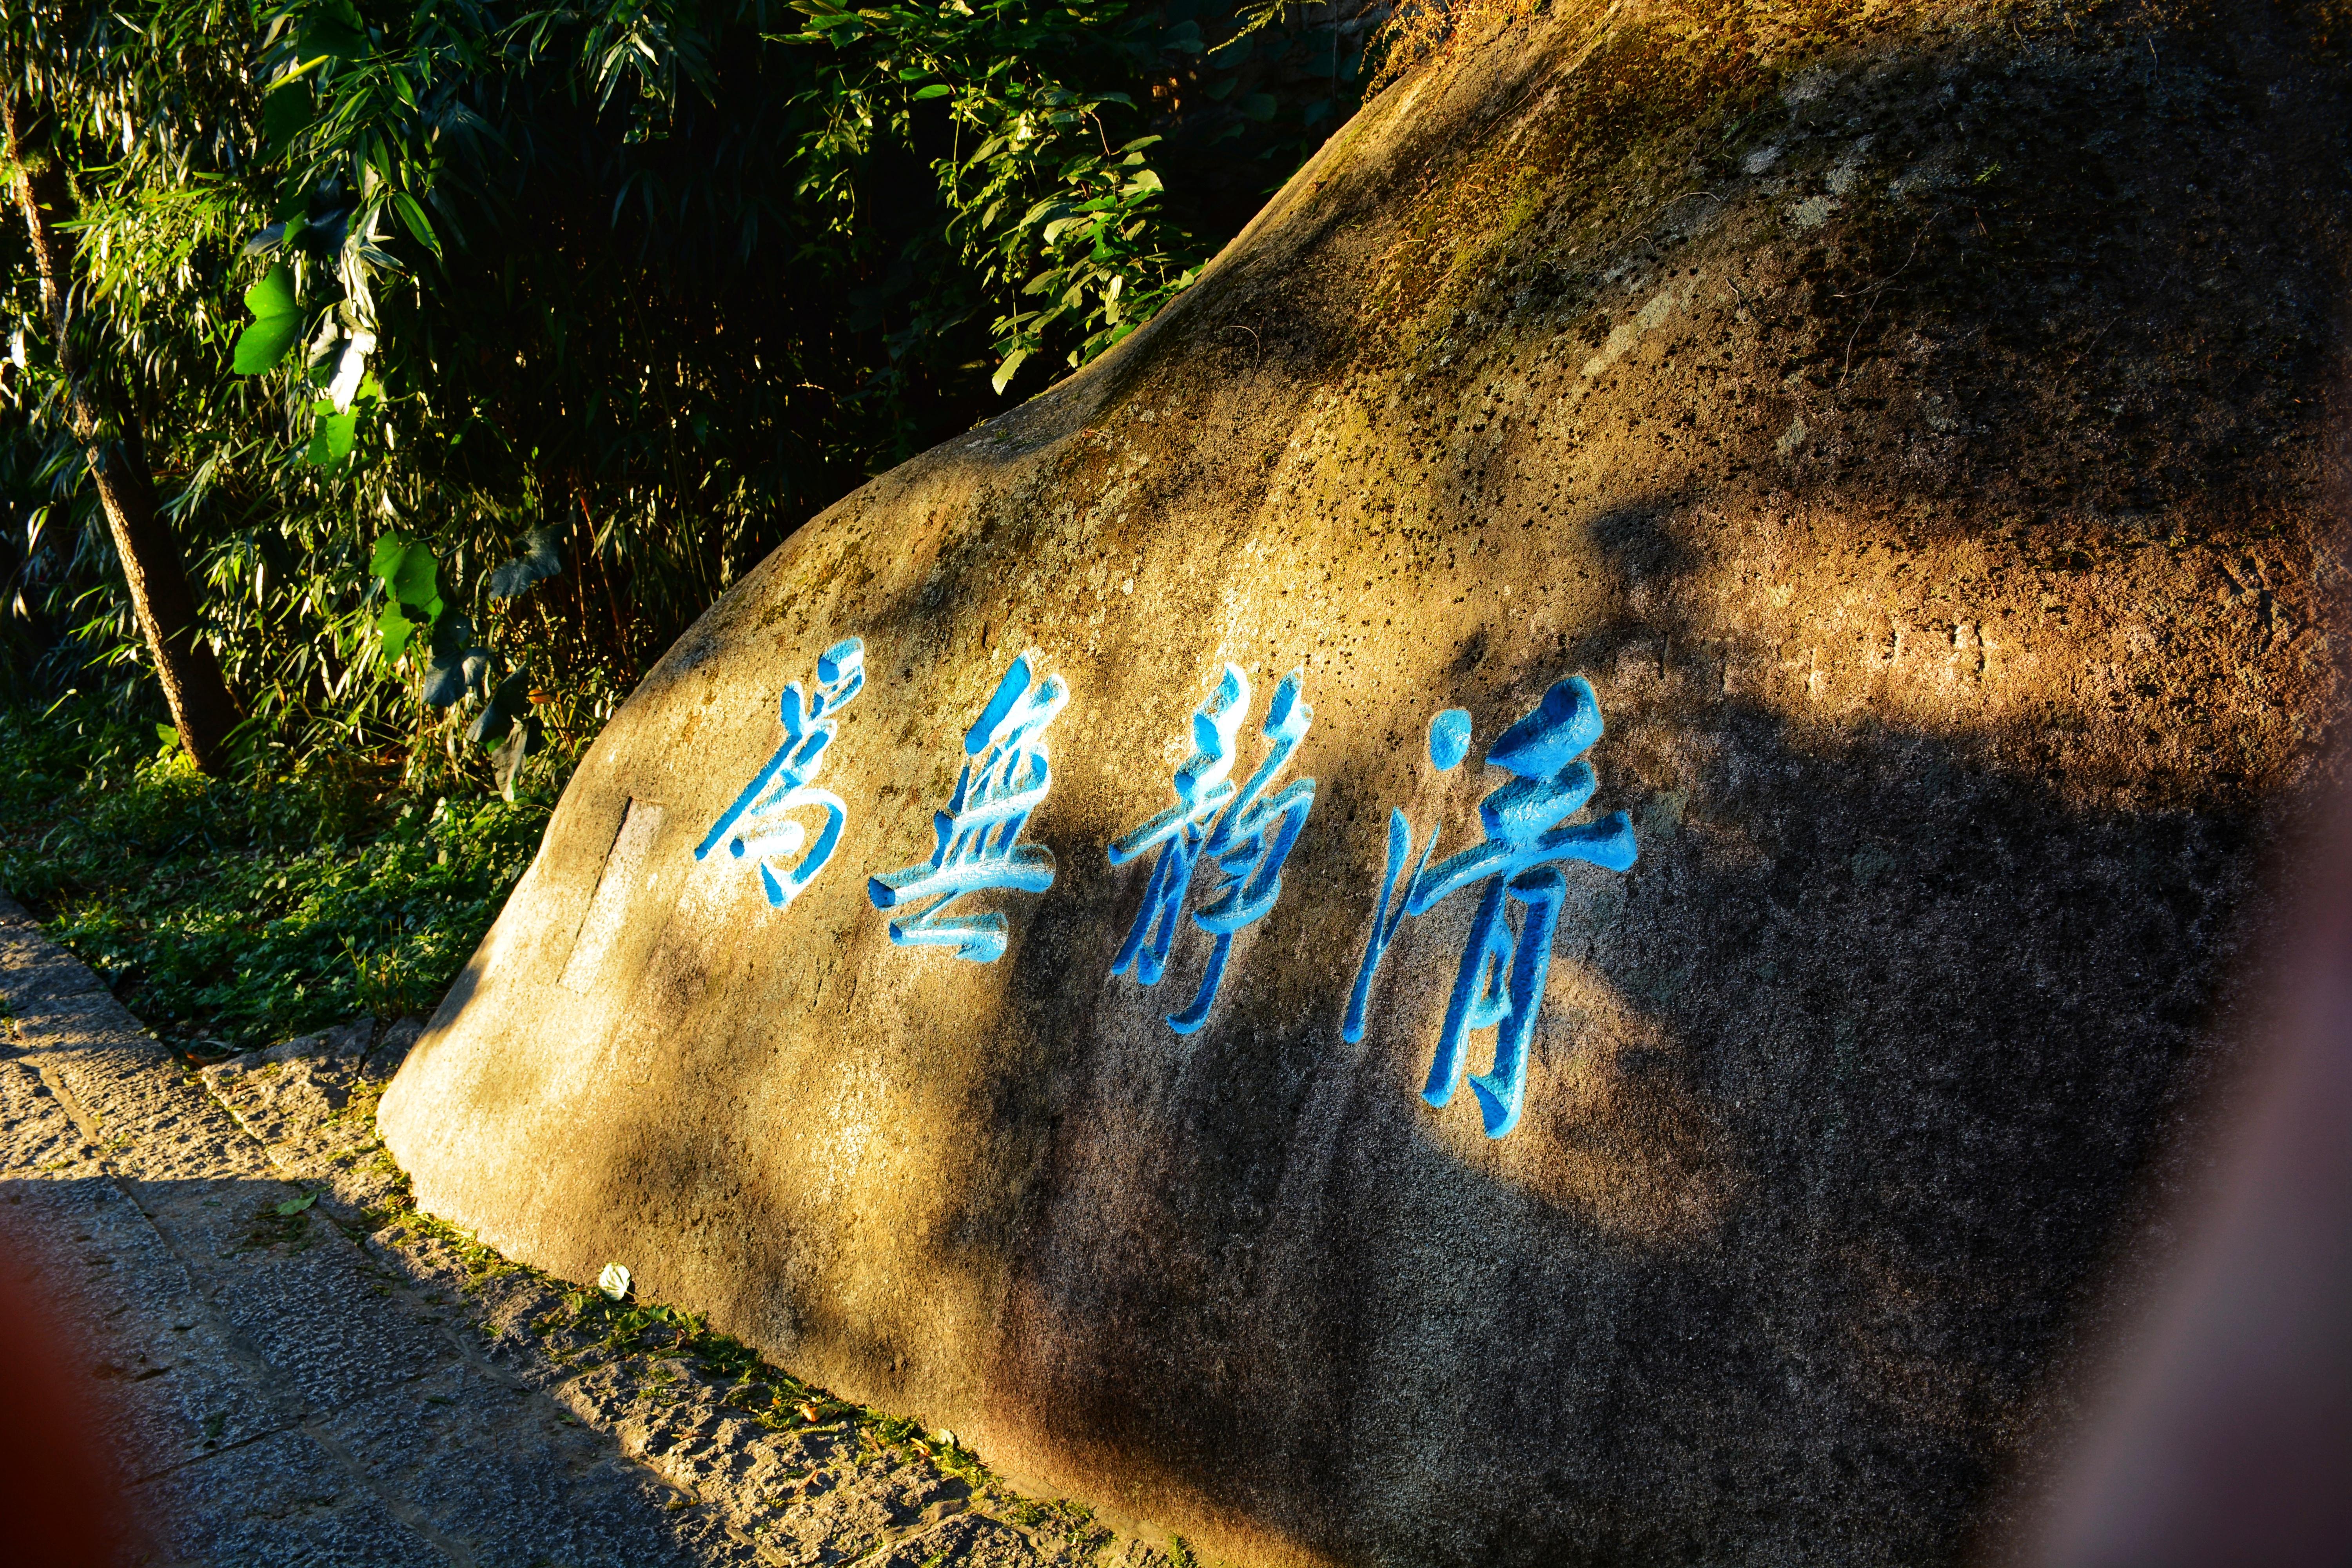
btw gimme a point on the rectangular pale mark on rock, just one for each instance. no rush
(640, 826)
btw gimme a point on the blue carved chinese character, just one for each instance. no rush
(1248, 842)
(1501, 980)
(1005, 779)
(759, 826)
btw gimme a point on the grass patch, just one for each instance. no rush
(235, 912)
(1073, 1522)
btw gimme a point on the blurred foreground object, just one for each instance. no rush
(2226, 1435)
(64, 1506)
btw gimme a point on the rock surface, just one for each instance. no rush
(1909, 421)
(344, 1385)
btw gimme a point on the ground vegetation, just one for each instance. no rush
(387, 384)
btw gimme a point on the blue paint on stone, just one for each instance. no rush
(977, 846)
(1449, 738)
(1251, 837)
(1500, 984)
(759, 826)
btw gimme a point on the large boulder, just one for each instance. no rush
(1908, 425)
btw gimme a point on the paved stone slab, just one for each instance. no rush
(149, 1114)
(538, 1486)
(284, 1500)
(38, 971)
(346, 1383)
(170, 1384)
(336, 1326)
(308, 1103)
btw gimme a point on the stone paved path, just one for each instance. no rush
(341, 1381)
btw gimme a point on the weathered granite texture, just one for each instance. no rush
(342, 1386)
(1910, 419)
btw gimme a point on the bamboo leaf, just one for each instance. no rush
(1005, 372)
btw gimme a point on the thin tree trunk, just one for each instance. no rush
(160, 594)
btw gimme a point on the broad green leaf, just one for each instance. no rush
(452, 639)
(510, 703)
(333, 436)
(538, 561)
(444, 680)
(446, 673)
(414, 583)
(333, 29)
(407, 569)
(277, 323)
(395, 629)
(285, 113)
(292, 1207)
(1005, 372)
(936, 90)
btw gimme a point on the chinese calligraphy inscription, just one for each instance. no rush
(1500, 984)
(1005, 779)
(1248, 840)
(1240, 835)
(759, 826)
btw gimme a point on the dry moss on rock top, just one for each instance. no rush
(2001, 284)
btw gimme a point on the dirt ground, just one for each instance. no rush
(295, 1367)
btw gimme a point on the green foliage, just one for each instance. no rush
(240, 913)
(277, 323)
(407, 571)
(1089, 241)
(595, 304)
(473, 351)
